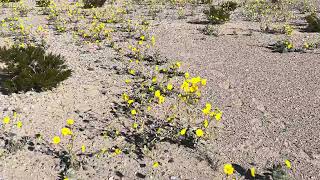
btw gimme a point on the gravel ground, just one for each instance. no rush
(271, 105)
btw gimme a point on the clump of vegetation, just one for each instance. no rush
(282, 46)
(264, 10)
(93, 3)
(43, 3)
(221, 13)
(276, 172)
(31, 68)
(313, 22)
(211, 30)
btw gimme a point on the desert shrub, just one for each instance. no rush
(282, 46)
(276, 172)
(229, 5)
(221, 13)
(93, 3)
(31, 69)
(43, 3)
(313, 23)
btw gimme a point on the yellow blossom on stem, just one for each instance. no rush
(153, 40)
(186, 75)
(287, 163)
(253, 172)
(83, 148)
(178, 64)
(132, 72)
(6, 120)
(133, 112)
(205, 123)
(155, 164)
(15, 115)
(183, 131)
(56, 140)
(154, 79)
(130, 101)
(66, 131)
(207, 109)
(199, 132)
(117, 151)
(157, 93)
(169, 86)
(135, 125)
(19, 124)
(228, 169)
(70, 121)
(161, 99)
(203, 82)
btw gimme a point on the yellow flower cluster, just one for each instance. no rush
(160, 97)
(192, 85)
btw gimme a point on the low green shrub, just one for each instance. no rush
(31, 68)
(282, 46)
(313, 22)
(93, 3)
(221, 13)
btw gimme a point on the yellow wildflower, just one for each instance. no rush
(157, 93)
(169, 86)
(186, 75)
(127, 81)
(203, 82)
(185, 86)
(155, 164)
(149, 108)
(205, 123)
(117, 151)
(83, 148)
(199, 132)
(6, 120)
(133, 112)
(178, 64)
(70, 121)
(66, 131)
(195, 80)
(130, 101)
(19, 124)
(207, 109)
(153, 40)
(183, 131)
(228, 169)
(161, 99)
(253, 172)
(135, 125)
(132, 72)
(125, 97)
(154, 79)
(287, 163)
(15, 115)
(56, 140)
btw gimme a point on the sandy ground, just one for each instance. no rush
(271, 105)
